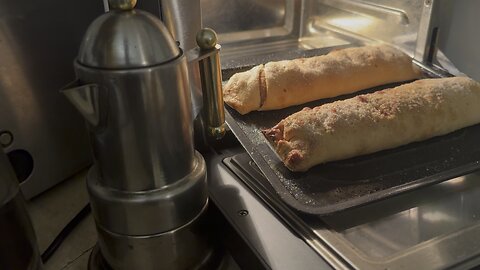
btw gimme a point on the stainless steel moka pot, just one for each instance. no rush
(148, 187)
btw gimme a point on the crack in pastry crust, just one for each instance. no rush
(281, 84)
(262, 85)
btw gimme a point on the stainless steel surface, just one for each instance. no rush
(18, 248)
(458, 21)
(251, 19)
(277, 246)
(183, 248)
(270, 29)
(274, 29)
(373, 20)
(436, 227)
(151, 211)
(211, 78)
(432, 228)
(427, 33)
(373, 9)
(38, 41)
(183, 19)
(148, 188)
(139, 117)
(138, 131)
(135, 39)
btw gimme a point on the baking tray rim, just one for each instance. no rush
(288, 198)
(291, 201)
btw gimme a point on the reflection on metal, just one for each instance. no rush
(85, 99)
(148, 186)
(307, 25)
(267, 23)
(183, 19)
(440, 218)
(371, 9)
(457, 181)
(433, 227)
(211, 77)
(247, 16)
(35, 63)
(427, 33)
(437, 217)
(263, 230)
(354, 23)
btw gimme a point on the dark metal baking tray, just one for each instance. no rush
(339, 185)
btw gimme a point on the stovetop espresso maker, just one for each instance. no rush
(147, 188)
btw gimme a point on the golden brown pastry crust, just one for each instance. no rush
(242, 91)
(373, 122)
(278, 85)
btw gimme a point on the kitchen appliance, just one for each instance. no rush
(435, 226)
(148, 189)
(183, 19)
(432, 227)
(18, 248)
(44, 137)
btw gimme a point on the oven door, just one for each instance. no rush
(435, 227)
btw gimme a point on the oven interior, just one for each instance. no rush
(436, 226)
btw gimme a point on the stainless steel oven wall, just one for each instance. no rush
(459, 37)
(251, 19)
(253, 28)
(44, 136)
(256, 31)
(395, 22)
